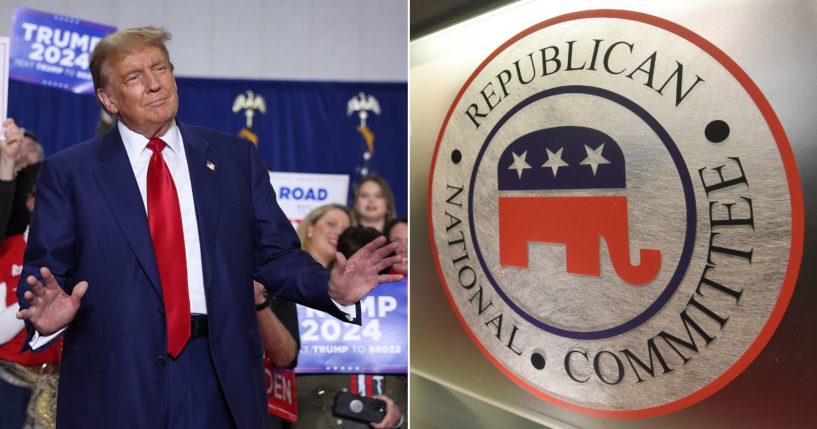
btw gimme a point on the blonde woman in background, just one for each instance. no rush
(320, 229)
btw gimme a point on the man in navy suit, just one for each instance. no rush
(102, 263)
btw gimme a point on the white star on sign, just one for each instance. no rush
(594, 158)
(555, 161)
(519, 163)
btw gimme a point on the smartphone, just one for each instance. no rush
(360, 408)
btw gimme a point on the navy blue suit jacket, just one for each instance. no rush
(90, 224)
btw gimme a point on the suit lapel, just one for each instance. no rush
(115, 177)
(204, 172)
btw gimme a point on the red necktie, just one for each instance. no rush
(165, 220)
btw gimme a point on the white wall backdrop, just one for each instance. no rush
(348, 40)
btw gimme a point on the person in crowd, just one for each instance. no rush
(373, 202)
(278, 324)
(16, 176)
(31, 152)
(320, 229)
(142, 252)
(10, 143)
(19, 216)
(27, 380)
(280, 345)
(397, 232)
(19, 169)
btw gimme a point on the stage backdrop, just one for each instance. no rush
(305, 127)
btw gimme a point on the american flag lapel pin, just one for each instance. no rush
(211, 166)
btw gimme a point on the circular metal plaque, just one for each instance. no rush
(615, 213)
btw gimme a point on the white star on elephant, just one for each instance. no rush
(519, 163)
(555, 161)
(594, 158)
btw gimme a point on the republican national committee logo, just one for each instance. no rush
(615, 213)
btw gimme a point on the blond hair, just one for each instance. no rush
(116, 46)
(313, 217)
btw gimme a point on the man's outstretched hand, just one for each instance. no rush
(350, 280)
(51, 309)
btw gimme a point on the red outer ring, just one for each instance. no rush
(797, 219)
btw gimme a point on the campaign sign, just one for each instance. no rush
(299, 193)
(54, 50)
(379, 344)
(615, 213)
(282, 394)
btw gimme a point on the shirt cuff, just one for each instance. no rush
(38, 341)
(350, 310)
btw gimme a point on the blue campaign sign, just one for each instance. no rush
(53, 50)
(378, 345)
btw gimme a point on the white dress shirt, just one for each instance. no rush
(174, 156)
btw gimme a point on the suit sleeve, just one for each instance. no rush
(280, 265)
(50, 239)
